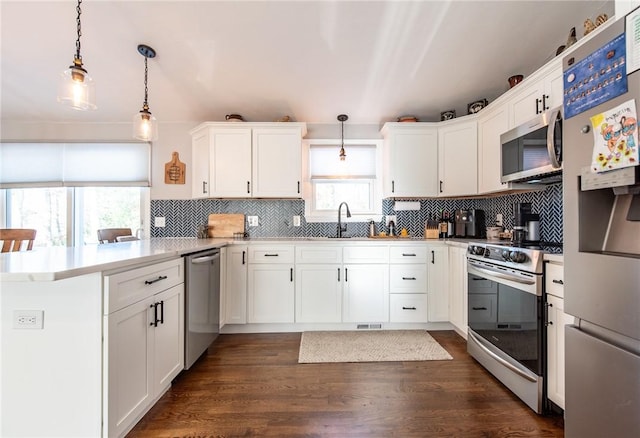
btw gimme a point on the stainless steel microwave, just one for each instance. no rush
(532, 152)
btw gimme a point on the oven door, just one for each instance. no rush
(505, 309)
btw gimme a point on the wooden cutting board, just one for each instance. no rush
(224, 225)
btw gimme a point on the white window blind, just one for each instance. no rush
(75, 164)
(324, 162)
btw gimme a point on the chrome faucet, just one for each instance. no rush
(342, 228)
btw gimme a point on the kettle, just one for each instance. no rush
(372, 228)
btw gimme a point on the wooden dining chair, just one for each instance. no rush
(108, 235)
(16, 239)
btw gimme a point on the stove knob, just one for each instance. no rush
(506, 254)
(517, 256)
(479, 250)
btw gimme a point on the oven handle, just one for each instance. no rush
(499, 359)
(498, 274)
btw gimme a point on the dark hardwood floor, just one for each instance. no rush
(252, 386)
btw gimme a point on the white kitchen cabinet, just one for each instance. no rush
(556, 321)
(319, 293)
(438, 279)
(458, 289)
(458, 158)
(277, 163)
(235, 287)
(492, 123)
(271, 295)
(248, 160)
(144, 344)
(537, 94)
(411, 159)
(271, 287)
(230, 162)
(366, 293)
(200, 164)
(408, 284)
(319, 280)
(366, 284)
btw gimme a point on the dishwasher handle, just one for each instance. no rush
(205, 259)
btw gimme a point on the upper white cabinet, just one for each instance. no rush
(277, 165)
(492, 123)
(539, 93)
(458, 158)
(247, 160)
(200, 164)
(411, 159)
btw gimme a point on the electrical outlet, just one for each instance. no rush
(159, 222)
(391, 218)
(28, 319)
(499, 220)
(252, 221)
(296, 221)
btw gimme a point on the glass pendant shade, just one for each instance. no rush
(145, 127)
(76, 89)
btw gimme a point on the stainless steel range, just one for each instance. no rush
(506, 317)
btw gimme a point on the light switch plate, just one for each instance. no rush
(159, 222)
(252, 221)
(296, 221)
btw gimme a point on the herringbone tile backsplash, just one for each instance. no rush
(184, 216)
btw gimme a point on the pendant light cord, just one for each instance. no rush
(79, 29)
(146, 90)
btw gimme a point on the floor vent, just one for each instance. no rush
(368, 326)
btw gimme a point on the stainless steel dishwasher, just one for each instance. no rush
(202, 303)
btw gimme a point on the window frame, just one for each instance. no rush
(308, 193)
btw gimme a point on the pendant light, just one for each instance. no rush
(342, 118)
(76, 88)
(144, 124)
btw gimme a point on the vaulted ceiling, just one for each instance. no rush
(310, 60)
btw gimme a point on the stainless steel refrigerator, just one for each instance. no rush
(601, 252)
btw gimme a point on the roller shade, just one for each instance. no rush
(75, 164)
(325, 164)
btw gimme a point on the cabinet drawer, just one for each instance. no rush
(318, 254)
(408, 254)
(271, 254)
(408, 278)
(125, 288)
(483, 308)
(366, 254)
(408, 308)
(554, 279)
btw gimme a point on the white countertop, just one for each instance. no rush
(48, 264)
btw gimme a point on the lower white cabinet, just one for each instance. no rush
(366, 293)
(408, 308)
(270, 293)
(144, 351)
(319, 293)
(556, 321)
(458, 288)
(235, 285)
(438, 283)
